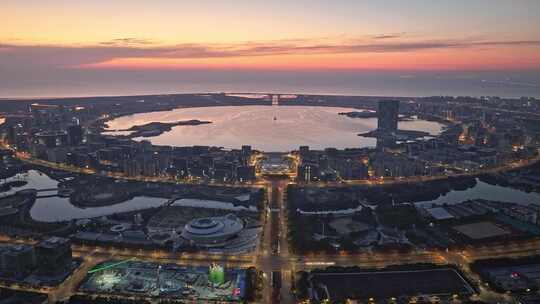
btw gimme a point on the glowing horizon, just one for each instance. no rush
(411, 48)
(419, 61)
(365, 54)
(314, 34)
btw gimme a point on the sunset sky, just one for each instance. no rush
(52, 37)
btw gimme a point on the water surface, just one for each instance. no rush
(487, 192)
(267, 128)
(55, 209)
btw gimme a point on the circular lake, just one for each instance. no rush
(266, 128)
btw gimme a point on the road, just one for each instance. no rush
(287, 263)
(273, 253)
(25, 157)
(70, 285)
(292, 173)
(421, 179)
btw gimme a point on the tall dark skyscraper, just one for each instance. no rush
(75, 135)
(388, 116)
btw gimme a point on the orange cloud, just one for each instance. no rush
(390, 52)
(460, 59)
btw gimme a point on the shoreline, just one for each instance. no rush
(147, 131)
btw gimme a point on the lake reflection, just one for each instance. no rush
(54, 209)
(267, 128)
(487, 192)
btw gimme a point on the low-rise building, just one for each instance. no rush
(54, 256)
(17, 260)
(212, 231)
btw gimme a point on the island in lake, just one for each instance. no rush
(371, 114)
(157, 128)
(400, 135)
(360, 114)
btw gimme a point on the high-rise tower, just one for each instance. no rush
(388, 113)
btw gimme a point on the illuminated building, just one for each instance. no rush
(216, 274)
(212, 231)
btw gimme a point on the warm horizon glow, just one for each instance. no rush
(429, 61)
(419, 35)
(80, 43)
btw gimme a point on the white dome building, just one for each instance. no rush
(212, 231)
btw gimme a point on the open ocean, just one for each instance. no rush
(75, 82)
